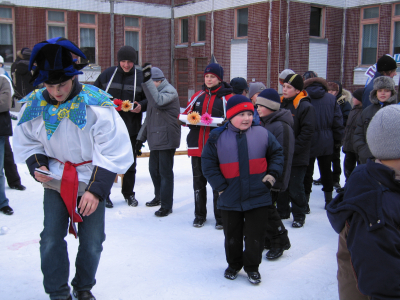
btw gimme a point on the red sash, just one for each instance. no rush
(69, 193)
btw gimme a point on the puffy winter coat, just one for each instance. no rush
(5, 106)
(122, 87)
(360, 133)
(211, 102)
(161, 128)
(280, 124)
(350, 128)
(371, 207)
(235, 162)
(304, 122)
(328, 118)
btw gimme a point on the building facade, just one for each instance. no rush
(339, 40)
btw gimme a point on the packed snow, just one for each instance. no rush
(146, 257)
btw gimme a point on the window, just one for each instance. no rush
(132, 35)
(88, 37)
(369, 35)
(6, 33)
(201, 28)
(184, 31)
(396, 29)
(56, 24)
(242, 18)
(317, 20)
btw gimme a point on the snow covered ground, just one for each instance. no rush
(146, 257)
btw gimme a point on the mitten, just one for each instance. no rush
(146, 69)
(138, 147)
(269, 181)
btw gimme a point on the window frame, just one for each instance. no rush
(91, 26)
(392, 29)
(236, 23)
(367, 22)
(135, 29)
(322, 22)
(180, 32)
(197, 29)
(56, 23)
(12, 23)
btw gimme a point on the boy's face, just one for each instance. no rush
(242, 120)
(356, 101)
(211, 80)
(126, 65)
(334, 93)
(383, 94)
(254, 98)
(289, 91)
(263, 111)
(61, 91)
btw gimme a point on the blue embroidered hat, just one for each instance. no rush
(54, 61)
(216, 70)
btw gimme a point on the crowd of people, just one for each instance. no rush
(255, 148)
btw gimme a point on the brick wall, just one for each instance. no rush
(384, 35)
(333, 31)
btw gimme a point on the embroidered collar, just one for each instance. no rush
(74, 109)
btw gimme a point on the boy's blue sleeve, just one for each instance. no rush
(275, 158)
(211, 169)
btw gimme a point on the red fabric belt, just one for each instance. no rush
(69, 193)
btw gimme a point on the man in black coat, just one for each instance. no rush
(124, 82)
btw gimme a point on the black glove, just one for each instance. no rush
(138, 147)
(146, 69)
(269, 181)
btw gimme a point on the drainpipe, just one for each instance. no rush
(212, 29)
(343, 43)
(172, 43)
(269, 46)
(112, 31)
(287, 36)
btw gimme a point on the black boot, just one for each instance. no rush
(277, 252)
(328, 198)
(83, 295)
(155, 202)
(109, 204)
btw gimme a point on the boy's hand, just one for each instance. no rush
(88, 204)
(269, 181)
(41, 177)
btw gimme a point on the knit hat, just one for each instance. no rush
(238, 85)
(309, 74)
(386, 63)
(333, 86)
(26, 53)
(270, 99)
(127, 53)
(255, 87)
(216, 70)
(285, 73)
(383, 135)
(157, 74)
(295, 81)
(237, 104)
(358, 93)
(54, 61)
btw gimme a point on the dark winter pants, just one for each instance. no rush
(10, 168)
(200, 192)
(161, 164)
(53, 247)
(336, 169)
(350, 162)
(128, 183)
(277, 235)
(294, 194)
(250, 225)
(324, 164)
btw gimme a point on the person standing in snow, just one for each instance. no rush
(73, 131)
(209, 100)
(242, 161)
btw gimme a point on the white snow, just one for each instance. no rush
(146, 257)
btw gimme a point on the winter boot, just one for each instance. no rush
(83, 295)
(308, 211)
(231, 273)
(163, 212)
(254, 277)
(328, 198)
(298, 222)
(109, 204)
(154, 202)
(336, 185)
(131, 200)
(277, 252)
(198, 222)
(218, 225)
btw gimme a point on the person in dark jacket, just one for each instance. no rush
(297, 101)
(124, 82)
(163, 134)
(279, 122)
(351, 157)
(366, 216)
(5, 132)
(211, 99)
(385, 66)
(239, 86)
(328, 133)
(242, 161)
(21, 75)
(383, 94)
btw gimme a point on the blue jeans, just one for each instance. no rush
(161, 165)
(53, 247)
(3, 198)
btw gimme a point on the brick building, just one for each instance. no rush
(253, 39)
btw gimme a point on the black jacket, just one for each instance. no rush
(122, 87)
(350, 128)
(21, 76)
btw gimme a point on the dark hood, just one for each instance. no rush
(282, 115)
(316, 87)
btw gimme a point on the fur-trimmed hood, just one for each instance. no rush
(314, 80)
(383, 82)
(346, 96)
